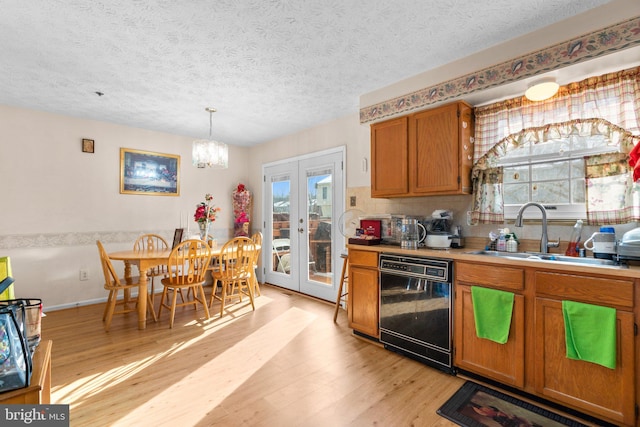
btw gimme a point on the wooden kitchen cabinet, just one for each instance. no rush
(389, 158)
(534, 357)
(363, 296)
(500, 362)
(588, 387)
(422, 154)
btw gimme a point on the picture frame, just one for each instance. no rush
(88, 145)
(177, 237)
(149, 173)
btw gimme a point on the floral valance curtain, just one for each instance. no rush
(607, 105)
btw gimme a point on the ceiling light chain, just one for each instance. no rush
(208, 152)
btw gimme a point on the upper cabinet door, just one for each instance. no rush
(440, 141)
(389, 158)
(433, 142)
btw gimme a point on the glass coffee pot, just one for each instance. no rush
(412, 233)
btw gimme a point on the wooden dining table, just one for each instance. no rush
(145, 260)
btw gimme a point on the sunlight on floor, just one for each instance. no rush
(200, 392)
(77, 391)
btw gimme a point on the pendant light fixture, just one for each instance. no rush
(542, 89)
(208, 152)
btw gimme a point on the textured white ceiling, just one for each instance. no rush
(270, 67)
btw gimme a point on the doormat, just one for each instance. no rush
(477, 406)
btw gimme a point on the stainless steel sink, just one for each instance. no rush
(536, 256)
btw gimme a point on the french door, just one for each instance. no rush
(303, 200)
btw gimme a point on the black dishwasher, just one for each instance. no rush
(416, 308)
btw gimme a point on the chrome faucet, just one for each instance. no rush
(545, 244)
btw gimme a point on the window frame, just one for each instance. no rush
(555, 211)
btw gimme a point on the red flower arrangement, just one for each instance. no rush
(206, 211)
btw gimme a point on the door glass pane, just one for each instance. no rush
(281, 196)
(319, 216)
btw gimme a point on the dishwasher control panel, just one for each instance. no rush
(428, 268)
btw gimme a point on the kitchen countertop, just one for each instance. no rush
(462, 254)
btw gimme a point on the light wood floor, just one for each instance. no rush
(286, 364)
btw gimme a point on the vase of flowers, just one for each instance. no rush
(205, 214)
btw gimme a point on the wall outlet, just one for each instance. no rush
(84, 274)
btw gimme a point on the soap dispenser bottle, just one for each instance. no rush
(502, 242)
(574, 241)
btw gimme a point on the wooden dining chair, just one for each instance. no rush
(152, 242)
(236, 262)
(187, 266)
(114, 285)
(257, 239)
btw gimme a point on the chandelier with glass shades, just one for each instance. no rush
(209, 152)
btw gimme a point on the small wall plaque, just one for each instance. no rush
(87, 145)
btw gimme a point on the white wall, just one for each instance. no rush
(57, 200)
(346, 131)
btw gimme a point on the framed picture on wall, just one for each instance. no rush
(149, 173)
(88, 145)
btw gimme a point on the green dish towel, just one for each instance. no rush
(492, 310)
(590, 333)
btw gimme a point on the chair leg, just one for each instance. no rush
(256, 284)
(250, 289)
(175, 290)
(343, 276)
(223, 297)
(152, 285)
(213, 292)
(162, 301)
(174, 300)
(150, 307)
(106, 306)
(237, 289)
(203, 300)
(111, 309)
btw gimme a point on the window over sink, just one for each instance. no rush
(571, 153)
(551, 173)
